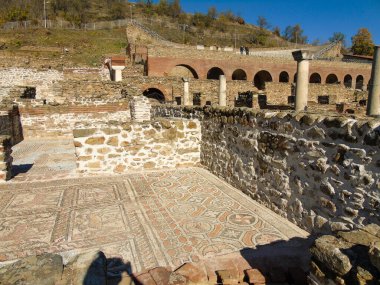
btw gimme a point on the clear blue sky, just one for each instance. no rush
(319, 18)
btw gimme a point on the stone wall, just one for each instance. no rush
(42, 80)
(321, 173)
(278, 93)
(120, 147)
(5, 158)
(59, 121)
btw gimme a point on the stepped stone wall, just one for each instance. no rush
(116, 147)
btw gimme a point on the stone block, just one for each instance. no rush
(79, 133)
(193, 272)
(95, 140)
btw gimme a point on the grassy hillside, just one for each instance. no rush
(85, 48)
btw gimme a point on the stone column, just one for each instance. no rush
(186, 93)
(302, 85)
(222, 90)
(373, 104)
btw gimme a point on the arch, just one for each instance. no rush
(347, 81)
(332, 79)
(239, 74)
(284, 77)
(214, 73)
(315, 78)
(260, 78)
(154, 93)
(359, 82)
(295, 78)
(184, 70)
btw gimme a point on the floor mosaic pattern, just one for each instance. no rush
(157, 218)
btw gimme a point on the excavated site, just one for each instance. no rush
(173, 164)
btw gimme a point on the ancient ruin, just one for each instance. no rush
(173, 164)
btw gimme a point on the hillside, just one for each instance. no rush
(221, 28)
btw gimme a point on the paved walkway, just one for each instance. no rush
(157, 218)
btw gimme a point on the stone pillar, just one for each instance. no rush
(222, 90)
(373, 105)
(302, 85)
(140, 109)
(117, 73)
(186, 93)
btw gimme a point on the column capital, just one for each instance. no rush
(300, 55)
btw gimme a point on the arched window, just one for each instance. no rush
(359, 82)
(347, 81)
(239, 74)
(284, 77)
(315, 78)
(183, 70)
(214, 73)
(332, 79)
(154, 93)
(260, 78)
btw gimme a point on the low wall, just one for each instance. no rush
(59, 121)
(278, 93)
(121, 147)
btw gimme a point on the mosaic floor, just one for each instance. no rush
(150, 218)
(40, 160)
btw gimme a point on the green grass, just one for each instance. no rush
(86, 48)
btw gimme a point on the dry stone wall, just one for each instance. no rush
(116, 147)
(321, 173)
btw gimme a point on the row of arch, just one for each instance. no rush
(264, 76)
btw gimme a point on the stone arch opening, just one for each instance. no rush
(156, 94)
(315, 78)
(332, 79)
(347, 81)
(261, 78)
(359, 82)
(295, 78)
(239, 74)
(184, 70)
(214, 73)
(284, 77)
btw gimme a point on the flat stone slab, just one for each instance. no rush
(155, 218)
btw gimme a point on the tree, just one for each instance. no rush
(338, 37)
(175, 9)
(262, 23)
(276, 31)
(362, 43)
(212, 13)
(295, 34)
